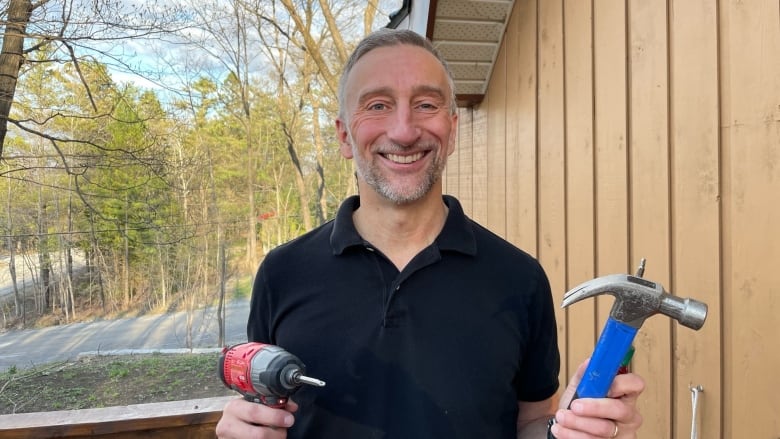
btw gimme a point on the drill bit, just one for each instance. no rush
(303, 379)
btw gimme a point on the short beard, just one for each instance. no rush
(382, 186)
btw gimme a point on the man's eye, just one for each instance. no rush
(377, 106)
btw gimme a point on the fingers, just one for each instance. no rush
(243, 419)
(605, 408)
(614, 416)
(627, 386)
(571, 426)
(571, 389)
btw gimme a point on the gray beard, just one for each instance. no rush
(382, 186)
(373, 178)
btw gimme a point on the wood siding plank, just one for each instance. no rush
(650, 197)
(695, 206)
(496, 154)
(551, 156)
(521, 127)
(465, 160)
(479, 160)
(609, 46)
(750, 126)
(580, 194)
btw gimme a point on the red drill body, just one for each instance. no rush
(263, 373)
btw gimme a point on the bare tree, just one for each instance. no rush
(72, 31)
(11, 58)
(306, 55)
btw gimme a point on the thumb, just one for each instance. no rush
(571, 389)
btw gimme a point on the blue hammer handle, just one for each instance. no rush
(613, 344)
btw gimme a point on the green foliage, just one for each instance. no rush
(147, 185)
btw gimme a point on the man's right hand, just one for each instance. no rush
(244, 419)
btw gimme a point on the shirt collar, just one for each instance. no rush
(456, 235)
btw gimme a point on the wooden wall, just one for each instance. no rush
(616, 130)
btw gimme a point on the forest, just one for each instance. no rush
(153, 151)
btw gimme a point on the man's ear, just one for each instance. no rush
(453, 133)
(345, 146)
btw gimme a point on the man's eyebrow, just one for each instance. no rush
(429, 90)
(373, 92)
(388, 91)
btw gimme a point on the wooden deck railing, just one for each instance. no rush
(194, 418)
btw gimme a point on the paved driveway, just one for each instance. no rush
(168, 331)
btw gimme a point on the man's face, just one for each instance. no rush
(397, 124)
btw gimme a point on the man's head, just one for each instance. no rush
(398, 115)
(391, 37)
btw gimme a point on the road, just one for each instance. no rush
(26, 348)
(27, 270)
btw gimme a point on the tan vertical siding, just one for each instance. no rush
(750, 127)
(579, 168)
(609, 82)
(551, 192)
(479, 162)
(464, 182)
(496, 154)
(650, 197)
(521, 128)
(695, 201)
(646, 128)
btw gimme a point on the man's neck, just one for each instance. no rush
(400, 232)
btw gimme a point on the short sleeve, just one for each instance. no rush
(538, 374)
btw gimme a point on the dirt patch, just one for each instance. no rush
(105, 381)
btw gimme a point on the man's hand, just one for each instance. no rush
(244, 419)
(615, 416)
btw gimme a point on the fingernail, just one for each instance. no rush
(288, 420)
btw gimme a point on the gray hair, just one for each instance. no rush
(387, 37)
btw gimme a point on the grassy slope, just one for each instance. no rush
(110, 381)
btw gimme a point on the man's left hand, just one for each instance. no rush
(615, 416)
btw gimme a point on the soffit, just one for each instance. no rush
(468, 33)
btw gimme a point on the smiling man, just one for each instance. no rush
(423, 323)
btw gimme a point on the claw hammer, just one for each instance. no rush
(636, 299)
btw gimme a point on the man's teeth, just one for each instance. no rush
(404, 159)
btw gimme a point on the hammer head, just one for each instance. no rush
(636, 299)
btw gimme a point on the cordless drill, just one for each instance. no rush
(263, 373)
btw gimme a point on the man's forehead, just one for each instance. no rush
(397, 51)
(396, 64)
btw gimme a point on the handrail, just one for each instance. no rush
(194, 418)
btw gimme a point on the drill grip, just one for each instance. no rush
(614, 342)
(271, 401)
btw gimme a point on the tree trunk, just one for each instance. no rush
(44, 260)
(322, 212)
(126, 257)
(97, 267)
(69, 256)
(214, 214)
(11, 59)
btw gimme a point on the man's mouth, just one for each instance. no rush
(404, 159)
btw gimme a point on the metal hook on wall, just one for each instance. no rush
(696, 391)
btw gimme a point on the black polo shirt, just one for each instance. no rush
(443, 349)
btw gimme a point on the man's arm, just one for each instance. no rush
(533, 416)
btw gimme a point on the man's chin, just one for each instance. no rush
(405, 196)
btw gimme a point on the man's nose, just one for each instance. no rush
(403, 129)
